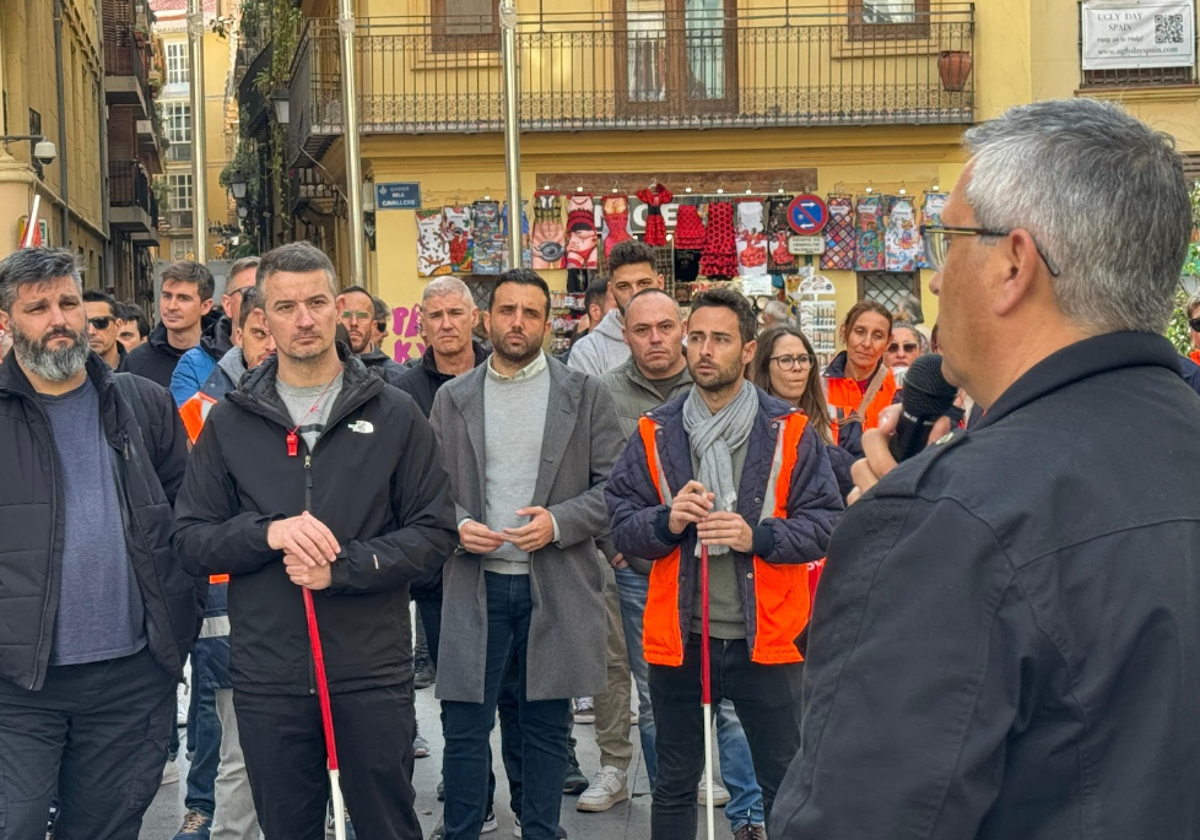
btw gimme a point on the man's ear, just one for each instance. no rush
(206, 307)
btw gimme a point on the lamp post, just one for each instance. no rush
(512, 126)
(354, 201)
(195, 27)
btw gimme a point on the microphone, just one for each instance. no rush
(927, 397)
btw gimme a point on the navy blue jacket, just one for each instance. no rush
(640, 521)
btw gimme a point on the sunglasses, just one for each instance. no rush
(909, 347)
(792, 362)
(1194, 323)
(100, 323)
(935, 241)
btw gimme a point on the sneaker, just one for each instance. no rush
(421, 748)
(490, 824)
(606, 790)
(575, 783)
(170, 773)
(585, 710)
(721, 796)
(439, 831)
(561, 835)
(633, 718)
(750, 831)
(195, 825)
(424, 674)
(441, 794)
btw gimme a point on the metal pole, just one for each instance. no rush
(199, 137)
(350, 137)
(63, 152)
(512, 126)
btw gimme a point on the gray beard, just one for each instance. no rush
(51, 365)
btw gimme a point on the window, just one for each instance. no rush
(178, 119)
(465, 25)
(181, 191)
(878, 20)
(676, 57)
(888, 289)
(177, 63)
(181, 249)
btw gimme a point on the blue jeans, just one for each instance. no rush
(205, 724)
(737, 767)
(543, 725)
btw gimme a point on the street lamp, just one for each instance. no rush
(239, 187)
(282, 107)
(243, 212)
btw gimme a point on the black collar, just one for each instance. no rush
(1082, 360)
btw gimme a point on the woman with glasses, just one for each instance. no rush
(905, 347)
(858, 386)
(785, 366)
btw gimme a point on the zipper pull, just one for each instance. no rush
(308, 479)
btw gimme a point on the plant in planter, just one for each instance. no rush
(954, 68)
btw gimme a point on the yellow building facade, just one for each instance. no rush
(740, 96)
(72, 201)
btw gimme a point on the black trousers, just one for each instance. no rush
(767, 700)
(284, 745)
(97, 734)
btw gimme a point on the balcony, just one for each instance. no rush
(749, 69)
(149, 134)
(250, 99)
(131, 203)
(125, 69)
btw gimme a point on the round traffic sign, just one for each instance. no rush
(807, 214)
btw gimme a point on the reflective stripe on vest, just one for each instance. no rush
(782, 598)
(194, 412)
(843, 396)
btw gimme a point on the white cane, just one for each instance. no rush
(706, 692)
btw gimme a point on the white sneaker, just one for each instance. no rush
(721, 796)
(606, 790)
(170, 774)
(585, 710)
(490, 824)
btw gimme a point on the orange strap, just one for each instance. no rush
(218, 578)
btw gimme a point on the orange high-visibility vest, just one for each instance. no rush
(1195, 356)
(843, 396)
(194, 412)
(782, 600)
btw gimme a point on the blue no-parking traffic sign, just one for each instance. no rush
(807, 214)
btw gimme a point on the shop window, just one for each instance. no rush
(465, 26)
(888, 289)
(886, 20)
(676, 57)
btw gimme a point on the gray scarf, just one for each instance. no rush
(714, 438)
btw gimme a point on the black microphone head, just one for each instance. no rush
(926, 391)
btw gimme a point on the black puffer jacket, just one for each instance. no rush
(155, 359)
(389, 370)
(422, 380)
(148, 466)
(375, 478)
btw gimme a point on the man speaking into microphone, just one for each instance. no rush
(1006, 638)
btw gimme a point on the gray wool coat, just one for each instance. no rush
(565, 654)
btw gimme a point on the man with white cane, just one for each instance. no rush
(732, 473)
(321, 492)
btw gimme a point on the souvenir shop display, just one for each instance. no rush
(719, 259)
(751, 239)
(526, 251)
(582, 238)
(433, 248)
(779, 259)
(689, 243)
(655, 196)
(616, 221)
(839, 234)
(868, 252)
(902, 240)
(817, 308)
(566, 310)
(488, 234)
(931, 214)
(548, 238)
(458, 232)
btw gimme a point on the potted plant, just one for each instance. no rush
(954, 67)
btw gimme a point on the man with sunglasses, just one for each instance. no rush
(1007, 640)
(198, 363)
(103, 327)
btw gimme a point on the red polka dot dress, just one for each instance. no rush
(720, 244)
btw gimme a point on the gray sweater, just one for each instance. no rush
(514, 425)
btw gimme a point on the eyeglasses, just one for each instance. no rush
(909, 347)
(240, 292)
(1194, 323)
(356, 315)
(100, 323)
(792, 362)
(935, 240)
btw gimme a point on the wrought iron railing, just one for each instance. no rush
(128, 185)
(124, 55)
(762, 68)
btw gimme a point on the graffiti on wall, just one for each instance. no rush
(406, 326)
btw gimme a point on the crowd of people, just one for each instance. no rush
(674, 492)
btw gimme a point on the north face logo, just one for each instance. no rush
(363, 427)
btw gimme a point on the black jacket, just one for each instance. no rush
(376, 479)
(389, 370)
(155, 358)
(217, 338)
(148, 466)
(422, 380)
(1006, 642)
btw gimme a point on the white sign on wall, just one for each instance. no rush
(1133, 34)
